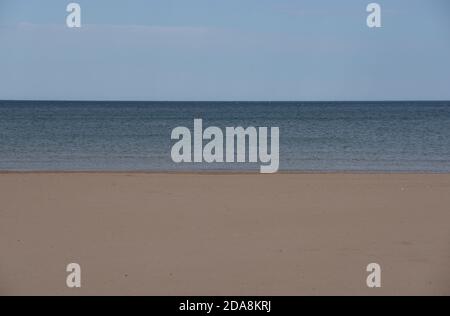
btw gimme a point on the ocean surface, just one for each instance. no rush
(314, 136)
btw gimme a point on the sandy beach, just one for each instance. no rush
(224, 234)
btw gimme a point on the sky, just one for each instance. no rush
(192, 50)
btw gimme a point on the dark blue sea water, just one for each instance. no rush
(317, 136)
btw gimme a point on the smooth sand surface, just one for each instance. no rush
(212, 234)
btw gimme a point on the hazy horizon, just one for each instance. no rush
(228, 101)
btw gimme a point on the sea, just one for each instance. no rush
(404, 136)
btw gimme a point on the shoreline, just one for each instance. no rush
(220, 172)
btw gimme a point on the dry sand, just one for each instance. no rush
(217, 234)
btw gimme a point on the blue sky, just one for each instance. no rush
(225, 50)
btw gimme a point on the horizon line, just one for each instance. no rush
(227, 101)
